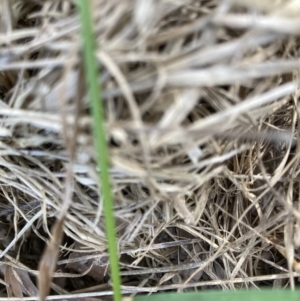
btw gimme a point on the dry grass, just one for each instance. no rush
(202, 117)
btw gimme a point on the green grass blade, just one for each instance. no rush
(251, 295)
(91, 71)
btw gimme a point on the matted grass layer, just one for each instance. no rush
(201, 115)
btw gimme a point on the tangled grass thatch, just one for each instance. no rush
(201, 106)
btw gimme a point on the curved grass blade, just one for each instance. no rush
(91, 71)
(251, 295)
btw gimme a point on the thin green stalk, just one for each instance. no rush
(244, 295)
(91, 71)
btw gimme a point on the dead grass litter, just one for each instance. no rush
(202, 117)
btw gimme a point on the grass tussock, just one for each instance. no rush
(201, 117)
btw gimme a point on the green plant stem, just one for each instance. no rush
(244, 295)
(91, 71)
